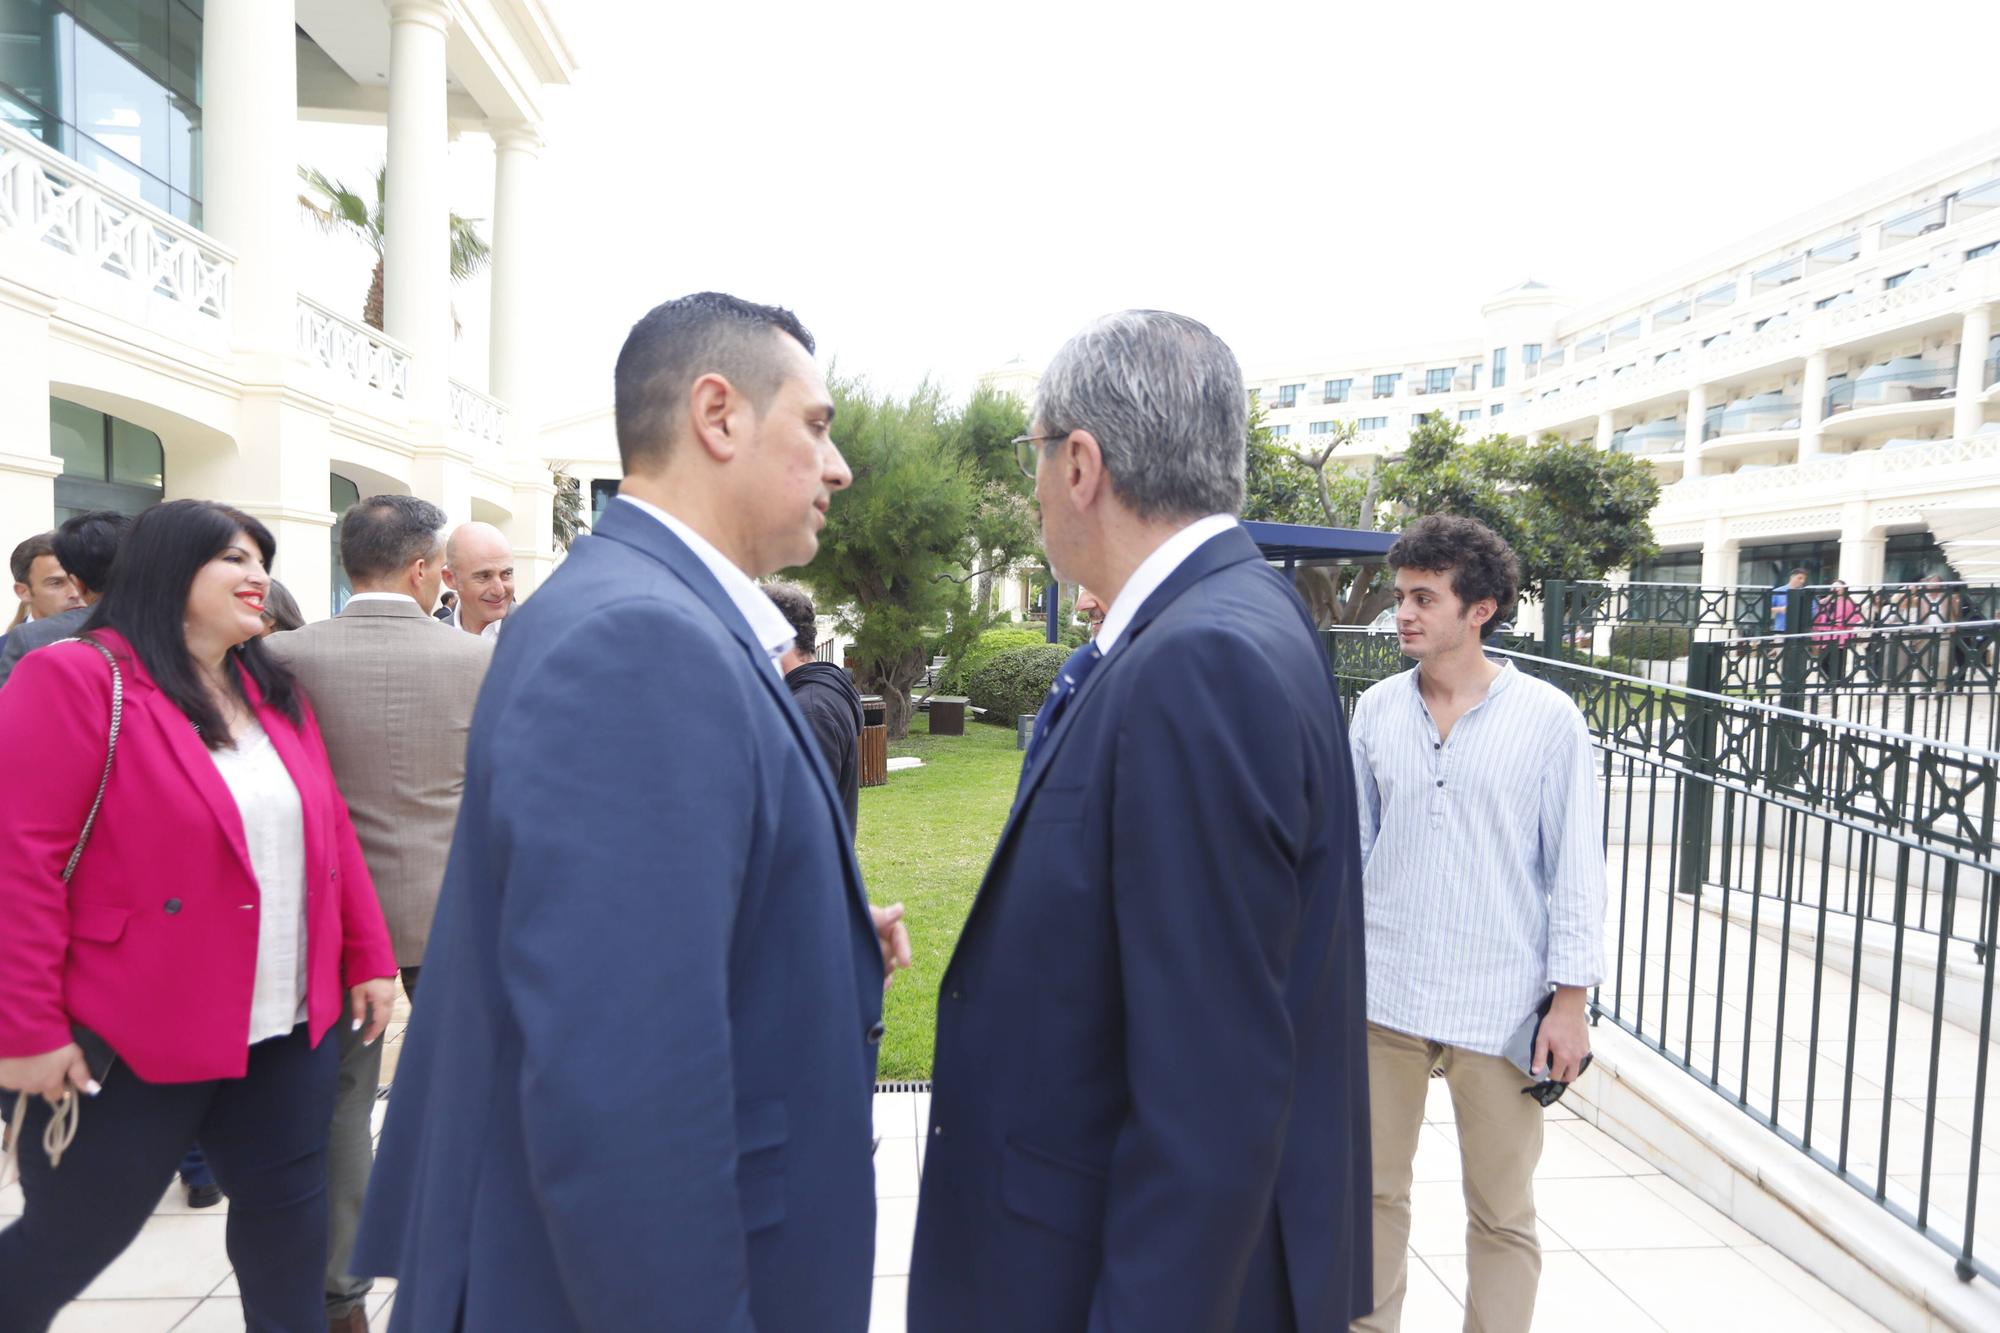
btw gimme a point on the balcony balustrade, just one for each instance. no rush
(348, 347)
(1664, 436)
(46, 197)
(479, 415)
(1904, 380)
(1745, 416)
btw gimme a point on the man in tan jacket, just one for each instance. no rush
(394, 691)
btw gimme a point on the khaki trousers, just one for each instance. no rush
(1499, 1144)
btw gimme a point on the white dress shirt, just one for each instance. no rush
(1482, 870)
(492, 630)
(352, 598)
(1154, 570)
(767, 623)
(274, 833)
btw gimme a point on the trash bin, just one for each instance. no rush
(874, 756)
(948, 714)
(1024, 730)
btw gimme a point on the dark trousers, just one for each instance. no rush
(264, 1135)
(350, 1157)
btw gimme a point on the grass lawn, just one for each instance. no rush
(925, 840)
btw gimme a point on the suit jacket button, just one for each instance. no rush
(875, 1034)
(172, 906)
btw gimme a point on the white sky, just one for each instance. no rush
(937, 187)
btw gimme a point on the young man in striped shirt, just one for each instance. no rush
(1484, 885)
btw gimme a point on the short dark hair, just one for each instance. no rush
(147, 603)
(798, 608)
(1480, 562)
(87, 547)
(282, 609)
(381, 535)
(676, 344)
(1800, 573)
(28, 552)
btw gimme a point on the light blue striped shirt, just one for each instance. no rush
(1482, 862)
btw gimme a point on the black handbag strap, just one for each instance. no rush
(110, 750)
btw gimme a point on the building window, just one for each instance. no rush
(341, 495)
(1385, 385)
(1321, 428)
(1372, 423)
(1531, 354)
(1718, 339)
(1496, 409)
(1912, 557)
(1468, 414)
(107, 463)
(1288, 394)
(1422, 419)
(113, 84)
(1499, 367)
(602, 493)
(1895, 280)
(1838, 298)
(1770, 565)
(1981, 251)
(1438, 380)
(1337, 390)
(1281, 432)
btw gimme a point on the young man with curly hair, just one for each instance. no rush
(1484, 883)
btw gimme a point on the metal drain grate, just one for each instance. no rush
(918, 1085)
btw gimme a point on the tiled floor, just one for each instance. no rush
(1624, 1248)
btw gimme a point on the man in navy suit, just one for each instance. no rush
(1150, 1107)
(637, 1095)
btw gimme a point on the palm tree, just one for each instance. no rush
(337, 208)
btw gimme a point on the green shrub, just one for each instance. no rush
(1651, 643)
(1004, 638)
(1015, 682)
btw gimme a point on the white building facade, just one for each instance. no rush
(157, 343)
(1821, 395)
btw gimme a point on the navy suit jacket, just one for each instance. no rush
(1150, 1104)
(636, 1094)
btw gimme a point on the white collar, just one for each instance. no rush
(352, 598)
(1154, 570)
(766, 621)
(492, 630)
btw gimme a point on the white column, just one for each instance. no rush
(28, 471)
(1812, 406)
(512, 360)
(1697, 418)
(417, 276)
(249, 182)
(1862, 546)
(1605, 424)
(1968, 412)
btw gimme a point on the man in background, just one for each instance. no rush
(479, 568)
(40, 583)
(84, 547)
(447, 606)
(1091, 608)
(825, 694)
(394, 693)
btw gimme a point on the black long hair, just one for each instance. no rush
(147, 603)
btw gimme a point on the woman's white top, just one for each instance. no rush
(274, 832)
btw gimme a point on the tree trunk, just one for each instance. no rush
(894, 679)
(371, 309)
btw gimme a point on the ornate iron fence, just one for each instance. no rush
(1774, 872)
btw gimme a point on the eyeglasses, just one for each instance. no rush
(1027, 451)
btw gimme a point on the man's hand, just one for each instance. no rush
(50, 1074)
(894, 939)
(1564, 1038)
(370, 1004)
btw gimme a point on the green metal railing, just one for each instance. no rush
(1730, 820)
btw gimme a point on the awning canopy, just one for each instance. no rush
(1302, 543)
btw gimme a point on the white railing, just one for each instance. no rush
(348, 347)
(477, 414)
(46, 197)
(1945, 291)
(1852, 470)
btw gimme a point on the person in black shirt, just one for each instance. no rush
(824, 694)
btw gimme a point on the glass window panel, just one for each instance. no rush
(120, 108)
(136, 457)
(28, 50)
(76, 435)
(137, 29)
(184, 53)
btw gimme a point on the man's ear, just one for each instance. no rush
(1081, 461)
(714, 411)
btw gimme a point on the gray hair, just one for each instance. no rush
(1164, 398)
(381, 535)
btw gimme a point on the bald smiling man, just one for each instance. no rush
(479, 567)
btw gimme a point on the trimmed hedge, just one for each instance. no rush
(1005, 638)
(1651, 643)
(1015, 682)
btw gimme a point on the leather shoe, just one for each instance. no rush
(354, 1321)
(204, 1196)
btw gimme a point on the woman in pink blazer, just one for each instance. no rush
(219, 922)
